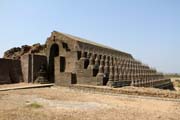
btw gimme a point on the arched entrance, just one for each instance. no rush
(54, 52)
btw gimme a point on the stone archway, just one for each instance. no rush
(54, 52)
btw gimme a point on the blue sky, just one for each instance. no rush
(148, 29)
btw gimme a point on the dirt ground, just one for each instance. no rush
(59, 103)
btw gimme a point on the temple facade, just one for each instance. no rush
(66, 59)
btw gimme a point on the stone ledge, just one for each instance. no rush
(139, 91)
(27, 87)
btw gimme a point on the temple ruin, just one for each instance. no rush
(66, 59)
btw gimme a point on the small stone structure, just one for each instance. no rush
(73, 60)
(42, 75)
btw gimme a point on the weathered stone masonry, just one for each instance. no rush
(10, 71)
(73, 60)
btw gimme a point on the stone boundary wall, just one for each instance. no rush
(10, 71)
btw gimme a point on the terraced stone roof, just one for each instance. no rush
(89, 42)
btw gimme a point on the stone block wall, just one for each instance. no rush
(10, 71)
(86, 77)
(116, 71)
(26, 69)
(31, 65)
(61, 77)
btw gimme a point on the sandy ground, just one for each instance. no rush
(59, 103)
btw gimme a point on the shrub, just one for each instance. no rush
(35, 105)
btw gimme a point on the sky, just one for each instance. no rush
(147, 29)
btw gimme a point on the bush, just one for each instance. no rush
(35, 105)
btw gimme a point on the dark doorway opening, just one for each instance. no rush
(79, 54)
(62, 64)
(73, 78)
(86, 63)
(54, 52)
(105, 78)
(95, 72)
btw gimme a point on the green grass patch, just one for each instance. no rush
(34, 105)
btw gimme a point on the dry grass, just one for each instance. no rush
(58, 103)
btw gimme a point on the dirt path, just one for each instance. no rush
(58, 103)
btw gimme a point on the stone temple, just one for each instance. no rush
(66, 59)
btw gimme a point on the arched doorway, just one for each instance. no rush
(54, 52)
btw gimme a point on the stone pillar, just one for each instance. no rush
(88, 55)
(111, 74)
(83, 56)
(106, 67)
(128, 78)
(132, 82)
(120, 76)
(97, 62)
(91, 62)
(100, 74)
(101, 67)
(124, 77)
(119, 66)
(116, 75)
(132, 78)
(128, 75)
